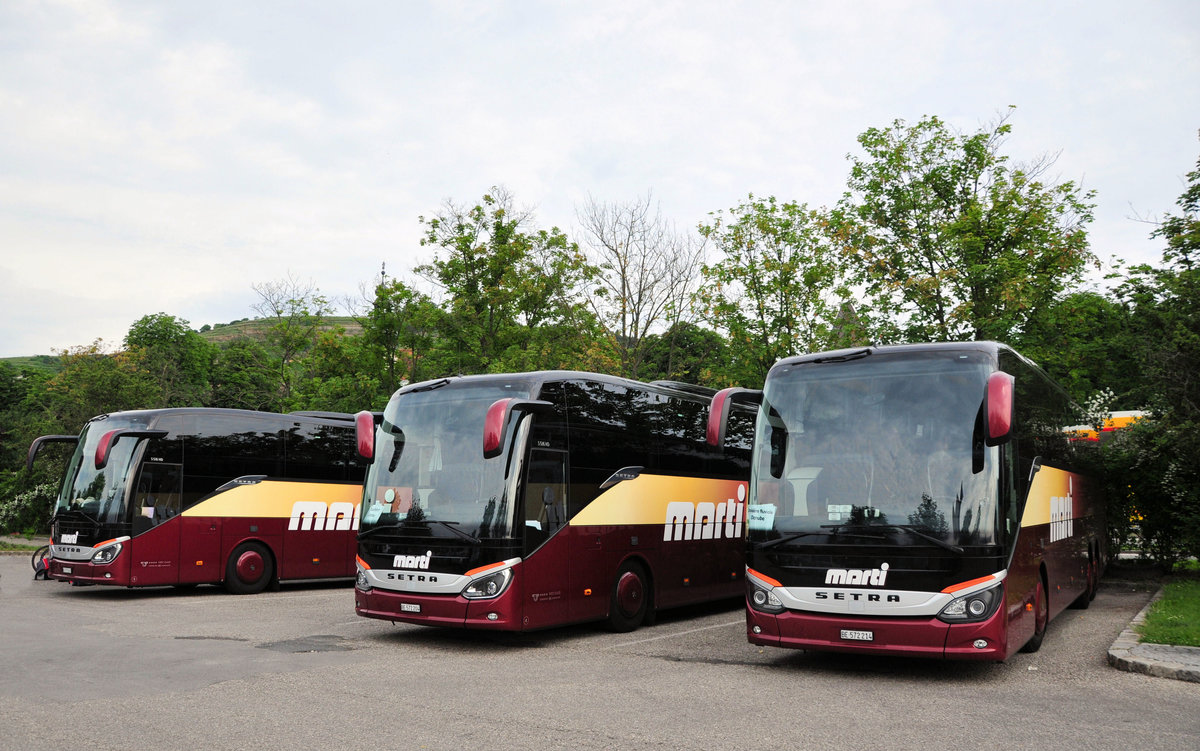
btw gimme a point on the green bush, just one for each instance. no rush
(26, 512)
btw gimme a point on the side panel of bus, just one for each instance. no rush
(308, 528)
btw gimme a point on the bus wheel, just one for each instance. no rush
(1041, 617)
(1089, 593)
(249, 569)
(627, 607)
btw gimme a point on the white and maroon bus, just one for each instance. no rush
(192, 496)
(915, 500)
(527, 501)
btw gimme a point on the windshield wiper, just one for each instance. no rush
(452, 526)
(797, 535)
(429, 386)
(911, 529)
(858, 354)
(406, 523)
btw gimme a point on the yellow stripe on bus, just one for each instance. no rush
(1048, 484)
(645, 499)
(272, 499)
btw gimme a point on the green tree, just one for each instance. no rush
(296, 311)
(1156, 465)
(337, 376)
(689, 353)
(178, 359)
(92, 382)
(1083, 340)
(952, 240)
(513, 293)
(647, 270)
(244, 376)
(399, 333)
(777, 289)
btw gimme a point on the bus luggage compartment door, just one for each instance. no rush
(200, 550)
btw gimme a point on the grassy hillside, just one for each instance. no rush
(221, 332)
(45, 363)
(257, 328)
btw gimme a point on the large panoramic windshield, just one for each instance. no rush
(894, 443)
(429, 469)
(100, 493)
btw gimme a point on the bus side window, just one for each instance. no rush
(157, 498)
(545, 495)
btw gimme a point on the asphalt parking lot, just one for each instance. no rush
(103, 668)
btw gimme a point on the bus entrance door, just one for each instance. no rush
(154, 549)
(547, 540)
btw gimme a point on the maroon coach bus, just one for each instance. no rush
(519, 502)
(915, 500)
(192, 496)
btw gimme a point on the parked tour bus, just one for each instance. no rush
(1113, 422)
(526, 501)
(915, 500)
(194, 496)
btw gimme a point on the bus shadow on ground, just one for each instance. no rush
(461, 638)
(116, 594)
(838, 664)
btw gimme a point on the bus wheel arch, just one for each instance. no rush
(250, 568)
(631, 598)
(1041, 613)
(1092, 574)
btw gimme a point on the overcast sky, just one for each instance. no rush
(165, 156)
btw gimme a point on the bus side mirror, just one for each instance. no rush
(718, 412)
(104, 447)
(37, 444)
(364, 433)
(999, 408)
(496, 422)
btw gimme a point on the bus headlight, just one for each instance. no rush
(764, 600)
(361, 582)
(972, 608)
(107, 554)
(487, 587)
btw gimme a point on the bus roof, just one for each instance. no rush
(535, 379)
(990, 348)
(324, 418)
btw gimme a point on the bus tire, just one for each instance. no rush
(1041, 618)
(627, 606)
(249, 569)
(1089, 593)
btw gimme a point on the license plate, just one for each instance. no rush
(858, 635)
(67, 569)
(408, 607)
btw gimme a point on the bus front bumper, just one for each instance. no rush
(85, 572)
(453, 611)
(907, 637)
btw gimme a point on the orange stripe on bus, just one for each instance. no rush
(358, 559)
(963, 585)
(474, 571)
(106, 542)
(764, 577)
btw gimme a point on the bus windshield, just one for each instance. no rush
(887, 448)
(429, 471)
(100, 493)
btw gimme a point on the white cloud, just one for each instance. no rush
(166, 157)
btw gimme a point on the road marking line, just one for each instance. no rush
(677, 633)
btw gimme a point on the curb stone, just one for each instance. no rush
(1159, 660)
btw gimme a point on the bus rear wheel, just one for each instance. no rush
(249, 569)
(630, 599)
